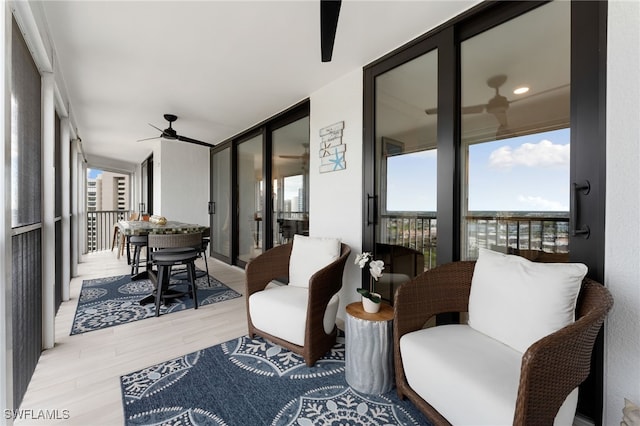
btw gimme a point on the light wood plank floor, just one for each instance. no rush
(81, 374)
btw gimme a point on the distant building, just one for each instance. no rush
(106, 192)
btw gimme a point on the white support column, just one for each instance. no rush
(66, 227)
(48, 211)
(6, 316)
(82, 207)
(75, 242)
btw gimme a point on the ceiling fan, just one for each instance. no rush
(304, 156)
(171, 134)
(498, 105)
(329, 12)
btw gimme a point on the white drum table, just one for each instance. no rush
(369, 349)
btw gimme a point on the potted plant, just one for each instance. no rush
(370, 299)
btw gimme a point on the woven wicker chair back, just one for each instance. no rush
(161, 241)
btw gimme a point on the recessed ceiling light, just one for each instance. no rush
(520, 90)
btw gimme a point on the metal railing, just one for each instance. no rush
(415, 231)
(513, 233)
(100, 227)
(545, 233)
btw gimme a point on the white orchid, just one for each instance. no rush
(375, 269)
(362, 259)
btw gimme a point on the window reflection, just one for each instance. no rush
(515, 142)
(290, 181)
(250, 198)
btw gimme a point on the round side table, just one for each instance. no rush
(369, 349)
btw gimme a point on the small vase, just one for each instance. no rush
(370, 306)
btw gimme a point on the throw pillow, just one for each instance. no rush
(518, 302)
(309, 255)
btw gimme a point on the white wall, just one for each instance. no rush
(335, 204)
(181, 182)
(622, 260)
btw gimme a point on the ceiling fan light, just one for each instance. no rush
(521, 90)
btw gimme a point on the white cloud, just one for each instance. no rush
(539, 203)
(543, 154)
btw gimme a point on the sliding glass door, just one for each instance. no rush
(405, 201)
(250, 198)
(515, 136)
(220, 204)
(290, 180)
(489, 133)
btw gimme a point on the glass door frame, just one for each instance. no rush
(212, 207)
(264, 128)
(588, 140)
(291, 117)
(235, 191)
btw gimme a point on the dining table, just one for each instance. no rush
(143, 227)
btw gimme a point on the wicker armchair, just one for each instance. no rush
(551, 368)
(323, 285)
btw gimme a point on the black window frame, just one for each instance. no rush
(588, 131)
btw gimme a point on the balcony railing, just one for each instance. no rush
(100, 225)
(545, 233)
(415, 231)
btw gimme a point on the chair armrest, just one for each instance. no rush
(556, 364)
(324, 284)
(272, 264)
(442, 289)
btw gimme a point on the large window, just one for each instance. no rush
(515, 136)
(489, 127)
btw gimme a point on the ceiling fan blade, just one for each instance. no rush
(155, 127)
(194, 141)
(471, 109)
(329, 12)
(294, 157)
(148, 139)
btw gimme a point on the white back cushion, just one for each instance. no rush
(518, 302)
(309, 255)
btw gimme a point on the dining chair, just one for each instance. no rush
(121, 238)
(167, 251)
(202, 251)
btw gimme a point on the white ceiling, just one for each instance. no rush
(220, 66)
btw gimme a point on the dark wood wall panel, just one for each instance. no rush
(26, 284)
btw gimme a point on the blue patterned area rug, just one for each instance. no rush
(253, 382)
(106, 302)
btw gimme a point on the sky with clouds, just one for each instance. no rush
(527, 173)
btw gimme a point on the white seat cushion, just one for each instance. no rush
(470, 378)
(282, 312)
(308, 256)
(518, 302)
